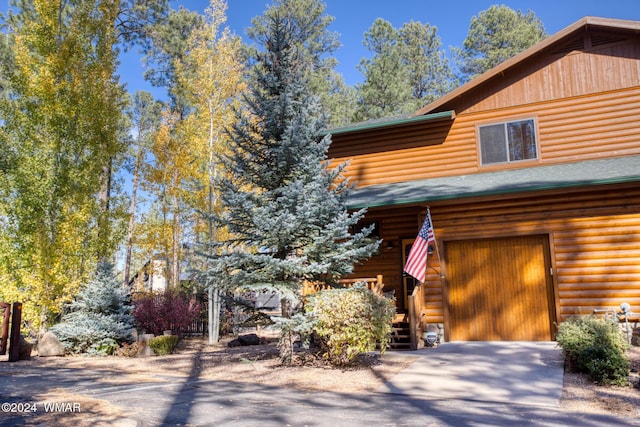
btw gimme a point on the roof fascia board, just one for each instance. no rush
(499, 192)
(444, 115)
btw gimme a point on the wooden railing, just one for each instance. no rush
(416, 307)
(373, 283)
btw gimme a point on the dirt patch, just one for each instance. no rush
(196, 359)
(257, 364)
(579, 394)
(72, 410)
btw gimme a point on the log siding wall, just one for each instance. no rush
(574, 129)
(586, 104)
(594, 240)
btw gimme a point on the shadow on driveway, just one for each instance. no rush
(529, 373)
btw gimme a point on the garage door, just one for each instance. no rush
(499, 289)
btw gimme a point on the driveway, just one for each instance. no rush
(529, 373)
(457, 384)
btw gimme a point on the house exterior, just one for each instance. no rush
(151, 277)
(531, 172)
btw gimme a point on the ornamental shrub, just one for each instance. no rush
(100, 317)
(171, 310)
(349, 322)
(596, 347)
(164, 344)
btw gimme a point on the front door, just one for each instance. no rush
(408, 282)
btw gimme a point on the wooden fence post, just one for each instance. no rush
(14, 338)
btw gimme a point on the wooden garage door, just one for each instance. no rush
(499, 289)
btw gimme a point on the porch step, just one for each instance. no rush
(400, 336)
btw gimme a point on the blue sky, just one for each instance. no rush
(354, 17)
(452, 18)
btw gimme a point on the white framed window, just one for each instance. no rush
(508, 142)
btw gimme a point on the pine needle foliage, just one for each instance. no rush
(100, 314)
(283, 205)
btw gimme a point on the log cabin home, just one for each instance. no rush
(531, 172)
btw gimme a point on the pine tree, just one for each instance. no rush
(283, 206)
(310, 32)
(496, 35)
(99, 318)
(386, 90)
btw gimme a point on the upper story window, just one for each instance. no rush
(508, 142)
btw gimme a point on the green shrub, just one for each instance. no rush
(596, 347)
(163, 344)
(349, 322)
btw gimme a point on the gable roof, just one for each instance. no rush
(539, 178)
(583, 25)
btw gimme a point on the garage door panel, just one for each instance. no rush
(497, 289)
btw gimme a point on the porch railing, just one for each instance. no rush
(416, 309)
(374, 283)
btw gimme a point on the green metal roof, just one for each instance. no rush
(566, 175)
(394, 121)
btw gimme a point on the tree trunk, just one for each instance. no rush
(286, 337)
(104, 198)
(132, 215)
(175, 262)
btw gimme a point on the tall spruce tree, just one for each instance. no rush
(283, 206)
(310, 31)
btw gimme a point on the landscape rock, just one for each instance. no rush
(245, 340)
(49, 345)
(145, 349)
(25, 349)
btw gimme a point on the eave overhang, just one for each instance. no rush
(540, 178)
(391, 122)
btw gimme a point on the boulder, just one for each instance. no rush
(245, 340)
(249, 339)
(25, 349)
(234, 343)
(635, 337)
(49, 345)
(145, 349)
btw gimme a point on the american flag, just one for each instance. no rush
(417, 260)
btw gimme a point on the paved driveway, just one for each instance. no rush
(528, 373)
(457, 384)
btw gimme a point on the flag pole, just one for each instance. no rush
(435, 242)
